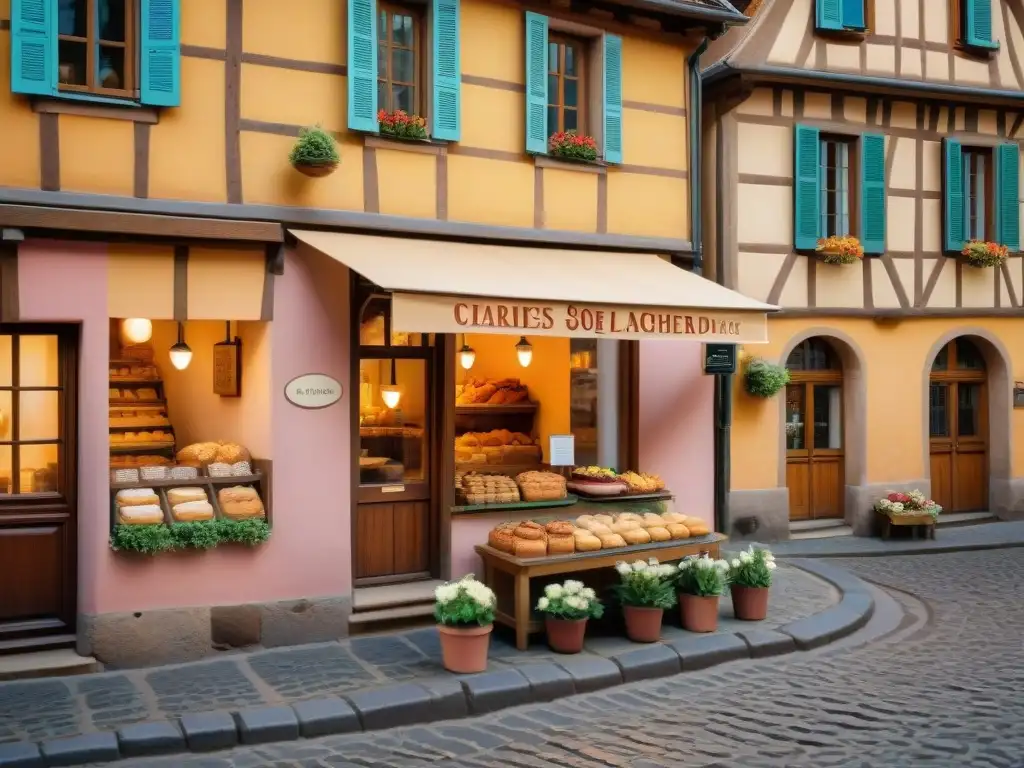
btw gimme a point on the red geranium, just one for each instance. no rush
(572, 146)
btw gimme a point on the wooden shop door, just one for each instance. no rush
(815, 458)
(38, 491)
(958, 428)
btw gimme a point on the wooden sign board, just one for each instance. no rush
(227, 368)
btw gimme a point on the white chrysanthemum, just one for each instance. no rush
(446, 593)
(746, 557)
(553, 591)
(543, 603)
(652, 561)
(624, 569)
(771, 566)
(573, 587)
(722, 565)
(480, 594)
(588, 594)
(735, 562)
(666, 570)
(896, 506)
(576, 602)
(639, 565)
(704, 563)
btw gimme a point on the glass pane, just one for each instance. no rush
(38, 415)
(941, 360)
(572, 97)
(819, 357)
(382, 61)
(795, 361)
(570, 60)
(828, 416)
(795, 417)
(571, 120)
(73, 17)
(382, 26)
(402, 31)
(38, 468)
(553, 115)
(382, 95)
(38, 362)
(111, 72)
(583, 398)
(392, 440)
(71, 68)
(553, 89)
(112, 20)
(968, 357)
(403, 66)
(5, 469)
(6, 360)
(938, 410)
(968, 410)
(404, 98)
(552, 57)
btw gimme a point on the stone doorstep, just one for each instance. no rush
(54, 663)
(447, 698)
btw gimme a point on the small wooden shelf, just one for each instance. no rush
(141, 427)
(136, 382)
(483, 408)
(471, 466)
(121, 403)
(200, 481)
(135, 447)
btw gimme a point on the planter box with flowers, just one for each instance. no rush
(979, 253)
(568, 145)
(400, 125)
(566, 608)
(840, 250)
(908, 509)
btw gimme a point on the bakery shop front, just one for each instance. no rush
(497, 384)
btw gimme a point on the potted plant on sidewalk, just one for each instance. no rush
(645, 591)
(464, 611)
(750, 578)
(566, 608)
(701, 582)
(315, 152)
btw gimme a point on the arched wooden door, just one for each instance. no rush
(958, 427)
(815, 460)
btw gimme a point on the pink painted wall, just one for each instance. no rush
(677, 423)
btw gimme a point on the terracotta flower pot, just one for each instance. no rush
(464, 649)
(316, 170)
(700, 614)
(643, 625)
(749, 603)
(565, 635)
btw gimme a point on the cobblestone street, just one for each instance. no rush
(943, 690)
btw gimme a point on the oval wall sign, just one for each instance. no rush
(313, 390)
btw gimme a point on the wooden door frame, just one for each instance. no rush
(808, 380)
(27, 509)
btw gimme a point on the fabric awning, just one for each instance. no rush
(446, 287)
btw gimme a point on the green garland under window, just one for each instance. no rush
(198, 534)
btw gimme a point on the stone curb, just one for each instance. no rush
(450, 698)
(898, 550)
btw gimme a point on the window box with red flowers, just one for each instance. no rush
(979, 253)
(568, 145)
(840, 250)
(401, 125)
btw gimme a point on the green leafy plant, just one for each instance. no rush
(752, 568)
(315, 146)
(252, 532)
(980, 253)
(464, 603)
(196, 534)
(702, 577)
(401, 125)
(145, 539)
(570, 601)
(764, 379)
(645, 584)
(568, 145)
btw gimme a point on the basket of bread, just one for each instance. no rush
(493, 392)
(590, 533)
(479, 488)
(541, 486)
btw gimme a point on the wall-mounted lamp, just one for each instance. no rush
(467, 355)
(181, 353)
(137, 330)
(524, 351)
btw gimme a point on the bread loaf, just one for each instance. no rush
(177, 496)
(636, 536)
(135, 497)
(192, 510)
(529, 530)
(140, 514)
(658, 533)
(605, 519)
(621, 526)
(559, 528)
(611, 540)
(586, 541)
(561, 544)
(599, 529)
(237, 493)
(500, 538)
(651, 519)
(678, 531)
(673, 517)
(242, 510)
(529, 547)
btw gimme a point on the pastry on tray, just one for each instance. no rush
(561, 544)
(585, 540)
(611, 540)
(658, 533)
(500, 537)
(642, 482)
(637, 536)
(136, 497)
(192, 510)
(141, 514)
(529, 530)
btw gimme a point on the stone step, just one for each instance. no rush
(394, 595)
(398, 617)
(831, 532)
(55, 663)
(813, 525)
(959, 519)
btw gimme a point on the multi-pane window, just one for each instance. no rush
(835, 187)
(566, 85)
(96, 47)
(972, 24)
(977, 199)
(398, 59)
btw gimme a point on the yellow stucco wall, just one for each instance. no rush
(291, 76)
(893, 360)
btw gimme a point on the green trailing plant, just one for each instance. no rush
(145, 539)
(764, 379)
(570, 601)
(464, 603)
(645, 584)
(702, 577)
(315, 146)
(251, 533)
(752, 568)
(196, 534)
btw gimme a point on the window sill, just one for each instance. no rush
(132, 112)
(981, 52)
(422, 146)
(849, 35)
(546, 161)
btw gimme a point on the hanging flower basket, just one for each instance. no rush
(401, 125)
(840, 250)
(979, 253)
(568, 145)
(764, 379)
(315, 152)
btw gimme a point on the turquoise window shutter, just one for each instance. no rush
(1008, 195)
(160, 53)
(806, 187)
(445, 115)
(872, 192)
(536, 83)
(953, 195)
(829, 14)
(612, 98)
(853, 14)
(34, 47)
(362, 65)
(978, 18)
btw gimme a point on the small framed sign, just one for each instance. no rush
(227, 368)
(562, 451)
(719, 358)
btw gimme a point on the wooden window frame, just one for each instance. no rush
(582, 49)
(419, 17)
(853, 191)
(991, 190)
(852, 33)
(92, 43)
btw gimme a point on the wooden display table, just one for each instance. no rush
(509, 576)
(923, 523)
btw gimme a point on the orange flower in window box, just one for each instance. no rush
(568, 145)
(401, 125)
(840, 250)
(980, 253)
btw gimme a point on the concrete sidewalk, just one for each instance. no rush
(382, 681)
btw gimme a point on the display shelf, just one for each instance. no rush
(134, 381)
(121, 403)
(473, 466)
(202, 480)
(568, 501)
(135, 447)
(140, 427)
(483, 408)
(657, 496)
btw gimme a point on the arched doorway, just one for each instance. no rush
(958, 427)
(815, 459)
